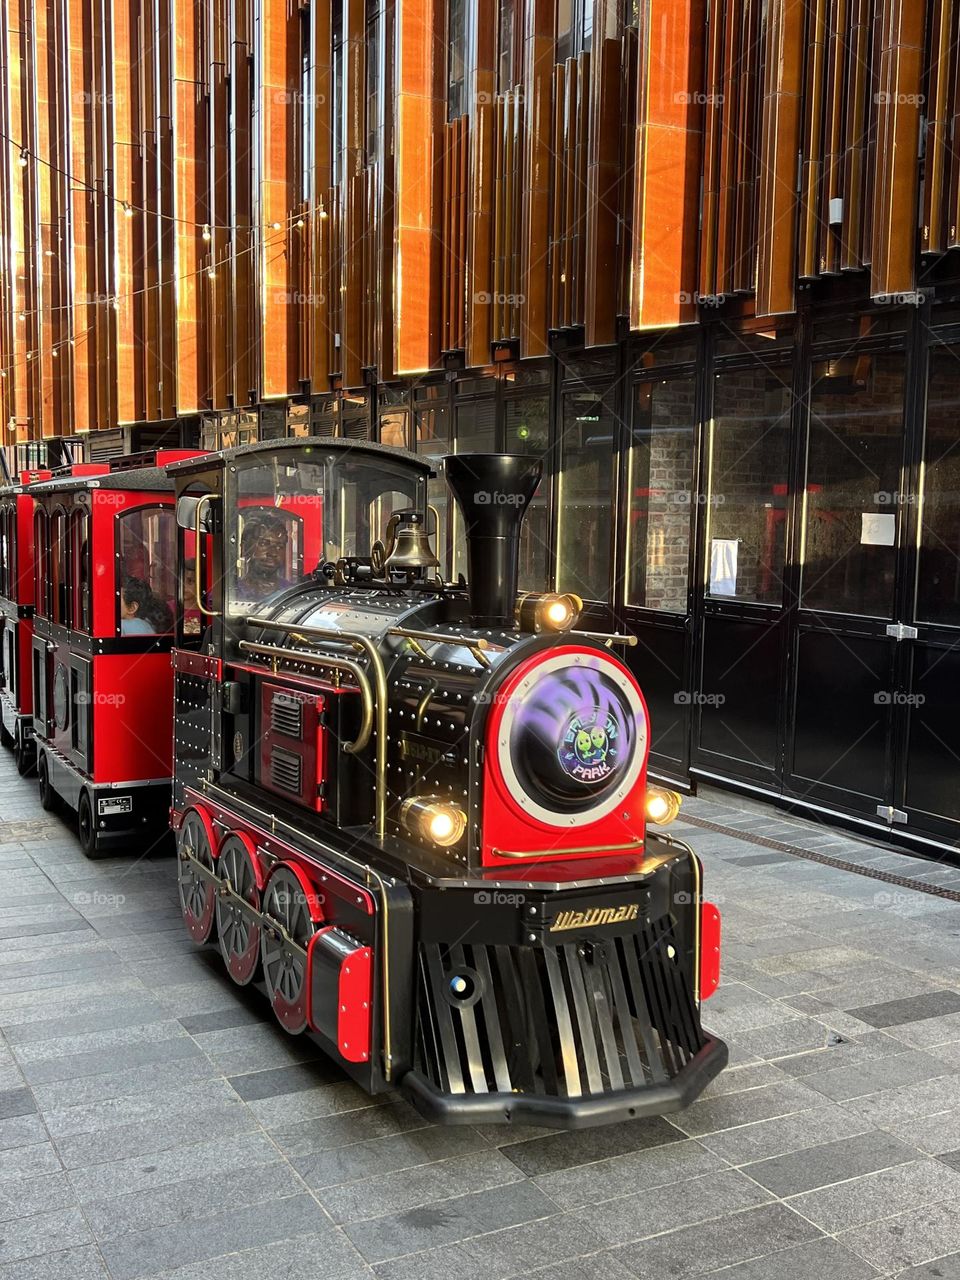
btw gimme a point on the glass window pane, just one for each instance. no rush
(938, 590)
(747, 503)
(853, 476)
(527, 420)
(661, 494)
(586, 482)
(147, 558)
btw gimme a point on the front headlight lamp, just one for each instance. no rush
(661, 806)
(434, 819)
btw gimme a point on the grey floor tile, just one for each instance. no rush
(556, 1151)
(869, 1197)
(43, 1233)
(21, 1131)
(16, 1102)
(183, 1202)
(29, 1161)
(627, 1174)
(84, 1263)
(906, 1239)
(951, 1158)
(319, 1257)
(175, 1129)
(396, 1234)
(707, 1246)
(890, 1013)
(388, 1154)
(939, 1269)
(888, 1072)
(256, 1085)
(202, 1024)
(116, 1058)
(667, 1208)
(418, 1187)
(517, 1251)
(830, 1162)
(733, 1110)
(824, 1257)
(145, 1253)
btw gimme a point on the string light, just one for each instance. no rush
(24, 157)
(127, 211)
(206, 231)
(276, 225)
(299, 224)
(211, 273)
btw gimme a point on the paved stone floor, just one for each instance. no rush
(153, 1125)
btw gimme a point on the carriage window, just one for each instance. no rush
(80, 559)
(301, 508)
(8, 571)
(59, 568)
(40, 561)
(146, 560)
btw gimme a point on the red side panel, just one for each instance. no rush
(709, 950)
(356, 996)
(292, 744)
(132, 709)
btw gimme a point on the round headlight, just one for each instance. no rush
(661, 806)
(431, 818)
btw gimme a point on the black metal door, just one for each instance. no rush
(844, 661)
(738, 670)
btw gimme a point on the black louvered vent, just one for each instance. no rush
(567, 1021)
(286, 715)
(286, 771)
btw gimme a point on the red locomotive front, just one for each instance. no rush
(414, 811)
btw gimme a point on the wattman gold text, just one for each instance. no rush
(593, 917)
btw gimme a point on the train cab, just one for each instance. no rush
(16, 617)
(105, 591)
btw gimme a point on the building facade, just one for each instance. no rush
(699, 258)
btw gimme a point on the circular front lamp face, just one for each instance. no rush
(572, 740)
(439, 821)
(661, 806)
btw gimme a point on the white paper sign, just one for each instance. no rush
(878, 529)
(723, 566)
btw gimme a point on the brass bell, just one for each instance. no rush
(410, 550)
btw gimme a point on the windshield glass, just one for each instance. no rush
(295, 509)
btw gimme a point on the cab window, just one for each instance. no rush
(59, 568)
(80, 563)
(41, 559)
(146, 565)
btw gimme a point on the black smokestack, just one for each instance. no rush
(493, 491)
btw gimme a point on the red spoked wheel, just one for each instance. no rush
(198, 894)
(293, 911)
(239, 936)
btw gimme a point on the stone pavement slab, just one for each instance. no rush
(157, 1125)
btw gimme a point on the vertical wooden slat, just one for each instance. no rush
(627, 183)
(189, 208)
(481, 87)
(668, 142)
(354, 89)
(278, 49)
(712, 128)
(600, 249)
(242, 209)
(728, 145)
(419, 123)
(777, 226)
(857, 114)
(743, 266)
(537, 117)
(321, 289)
(943, 70)
(832, 185)
(559, 198)
(896, 185)
(812, 142)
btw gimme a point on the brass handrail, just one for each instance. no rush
(365, 645)
(476, 644)
(197, 535)
(326, 660)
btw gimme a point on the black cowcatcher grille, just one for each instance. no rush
(569, 1021)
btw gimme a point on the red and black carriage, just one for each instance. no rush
(105, 592)
(415, 812)
(17, 598)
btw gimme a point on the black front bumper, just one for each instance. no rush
(569, 1113)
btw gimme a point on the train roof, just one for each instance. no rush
(141, 480)
(338, 443)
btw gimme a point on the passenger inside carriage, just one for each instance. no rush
(141, 612)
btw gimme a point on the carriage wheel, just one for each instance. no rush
(292, 907)
(6, 737)
(87, 827)
(198, 895)
(24, 754)
(49, 800)
(239, 936)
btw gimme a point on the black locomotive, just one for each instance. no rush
(414, 811)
